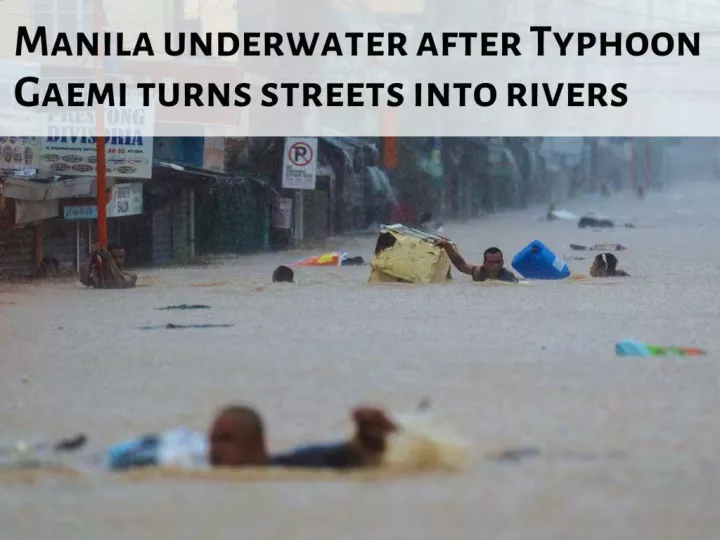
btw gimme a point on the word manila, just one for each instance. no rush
(372, 44)
(463, 94)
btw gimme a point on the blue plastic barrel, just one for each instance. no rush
(536, 261)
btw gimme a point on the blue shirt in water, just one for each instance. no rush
(187, 449)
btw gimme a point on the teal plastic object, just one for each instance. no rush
(632, 347)
(537, 261)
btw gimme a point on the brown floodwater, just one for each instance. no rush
(628, 446)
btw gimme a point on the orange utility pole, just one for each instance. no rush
(390, 148)
(101, 175)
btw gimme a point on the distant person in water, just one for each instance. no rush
(237, 439)
(283, 274)
(117, 252)
(492, 268)
(605, 265)
(104, 269)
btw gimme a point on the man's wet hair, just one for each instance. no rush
(600, 262)
(246, 416)
(112, 246)
(606, 261)
(491, 251)
(611, 262)
(283, 274)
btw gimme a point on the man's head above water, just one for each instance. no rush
(237, 438)
(117, 251)
(493, 261)
(605, 265)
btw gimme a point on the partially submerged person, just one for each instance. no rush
(237, 439)
(105, 269)
(283, 274)
(605, 265)
(492, 268)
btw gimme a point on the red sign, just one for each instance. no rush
(300, 154)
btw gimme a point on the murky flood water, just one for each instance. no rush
(629, 446)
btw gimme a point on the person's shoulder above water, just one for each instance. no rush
(365, 449)
(507, 275)
(318, 456)
(479, 273)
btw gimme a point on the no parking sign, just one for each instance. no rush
(300, 163)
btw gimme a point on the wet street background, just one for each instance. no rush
(629, 446)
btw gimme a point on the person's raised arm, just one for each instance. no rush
(455, 257)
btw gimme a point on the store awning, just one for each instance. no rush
(176, 174)
(46, 189)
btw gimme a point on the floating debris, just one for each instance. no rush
(353, 261)
(424, 404)
(336, 258)
(23, 450)
(71, 444)
(515, 454)
(598, 247)
(183, 307)
(596, 223)
(633, 347)
(553, 214)
(171, 326)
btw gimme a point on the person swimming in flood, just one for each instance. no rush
(283, 274)
(492, 268)
(605, 265)
(237, 439)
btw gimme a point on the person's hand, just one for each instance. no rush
(442, 242)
